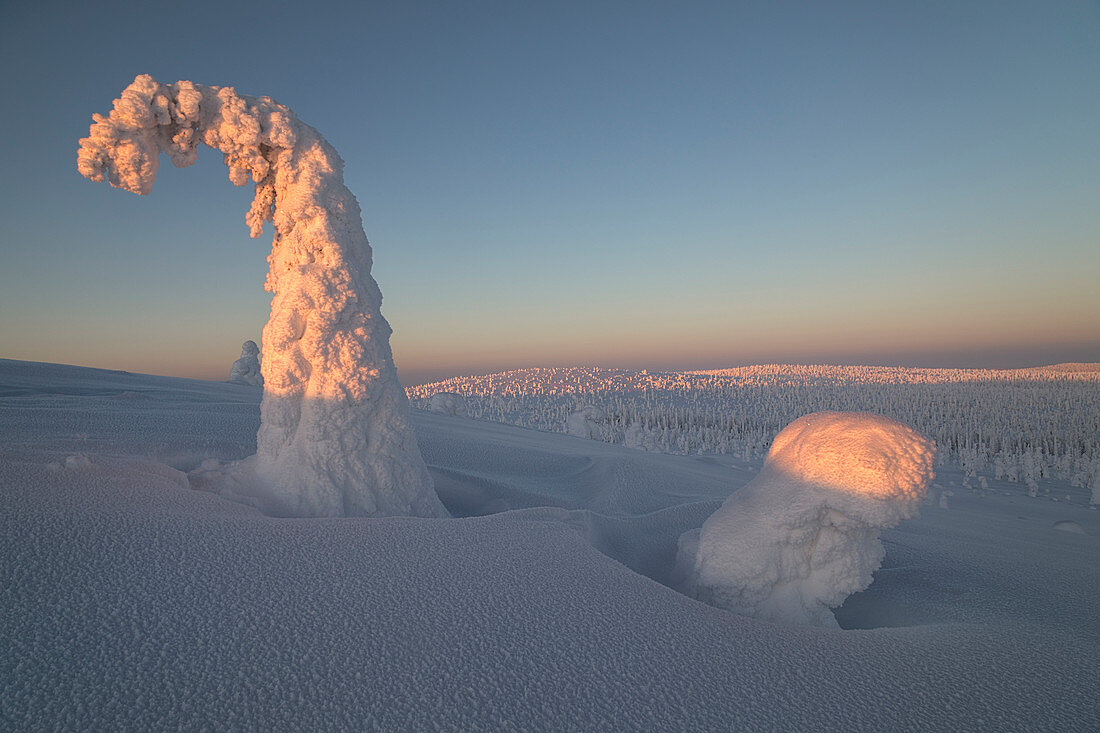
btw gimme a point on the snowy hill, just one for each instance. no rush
(1020, 425)
(131, 601)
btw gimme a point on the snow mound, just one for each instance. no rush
(1068, 525)
(246, 370)
(447, 403)
(803, 535)
(335, 435)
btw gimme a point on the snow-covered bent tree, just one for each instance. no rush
(335, 437)
(803, 535)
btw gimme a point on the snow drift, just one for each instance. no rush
(335, 437)
(246, 370)
(803, 535)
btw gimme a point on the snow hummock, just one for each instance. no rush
(246, 370)
(803, 535)
(1068, 525)
(335, 437)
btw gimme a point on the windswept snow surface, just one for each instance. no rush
(334, 436)
(132, 602)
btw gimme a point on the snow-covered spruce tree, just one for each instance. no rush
(803, 535)
(335, 437)
(246, 370)
(447, 403)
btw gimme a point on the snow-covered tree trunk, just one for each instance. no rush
(335, 437)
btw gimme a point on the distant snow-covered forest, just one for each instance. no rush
(1019, 424)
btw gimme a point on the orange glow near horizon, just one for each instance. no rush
(438, 357)
(1020, 334)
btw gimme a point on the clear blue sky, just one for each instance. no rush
(661, 185)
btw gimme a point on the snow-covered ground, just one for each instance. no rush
(131, 601)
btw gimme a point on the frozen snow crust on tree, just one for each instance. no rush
(335, 437)
(803, 535)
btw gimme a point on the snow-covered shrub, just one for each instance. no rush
(587, 422)
(636, 437)
(803, 535)
(246, 370)
(335, 435)
(447, 403)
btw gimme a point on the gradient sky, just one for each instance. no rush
(660, 185)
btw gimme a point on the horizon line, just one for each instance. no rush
(1085, 366)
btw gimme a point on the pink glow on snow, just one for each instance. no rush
(855, 453)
